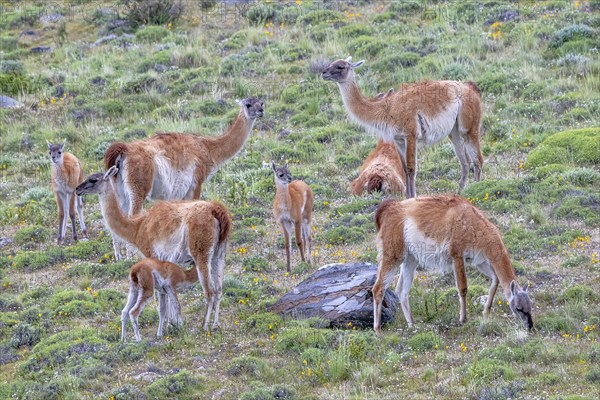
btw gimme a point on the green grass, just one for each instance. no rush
(60, 306)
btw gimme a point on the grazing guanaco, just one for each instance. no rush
(66, 174)
(382, 171)
(180, 232)
(173, 166)
(293, 206)
(442, 232)
(166, 277)
(424, 112)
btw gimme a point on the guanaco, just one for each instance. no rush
(166, 278)
(442, 232)
(293, 206)
(66, 174)
(173, 166)
(181, 232)
(424, 112)
(382, 171)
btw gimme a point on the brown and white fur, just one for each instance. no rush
(424, 112)
(382, 171)
(66, 175)
(166, 277)
(179, 231)
(442, 232)
(173, 166)
(293, 206)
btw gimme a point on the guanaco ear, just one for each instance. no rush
(513, 288)
(287, 166)
(348, 59)
(62, 145)
(111, 172)
(357, 64)
(526, 288)
(273, 165)
(48, 143)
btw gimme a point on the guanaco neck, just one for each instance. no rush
(360, 107)
(224, 147)
(504, 270)
(117, 221)
(191, 275)
(283, 194)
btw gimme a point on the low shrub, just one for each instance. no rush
(298, 339)
(424, 341)
(575, 147)
(246, 365)
(32, 236)
(181, 385)
(488, 370)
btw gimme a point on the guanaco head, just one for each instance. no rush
(56, 152)
(341, 71)
(282, 174)
(96, 183)
(521, 304)
(253, 107)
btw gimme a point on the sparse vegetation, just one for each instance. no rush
(96, 72)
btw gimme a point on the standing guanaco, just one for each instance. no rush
(293, 206)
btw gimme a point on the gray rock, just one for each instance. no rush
(41, 49)
(9, 102)
(338, 293)
(4, 241)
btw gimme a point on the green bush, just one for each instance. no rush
(555, 323)
(255, 263)
(298, 339)
(181, 385)
(260, 13)
(25, 335)
(424, 341)
(341, 235)
(317, 17)
(455, 71)
(31, 261)
(366, 46)
(30, 236)
(575, 147)
(488, 370)
(13, 67)
(264, 323)
(246, 365)
(151, 34)
(142, 12)
(571, 32)
(125, 392)
(579, 294)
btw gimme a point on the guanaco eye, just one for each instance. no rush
(248, 105)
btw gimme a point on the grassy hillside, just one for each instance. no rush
(93, 72)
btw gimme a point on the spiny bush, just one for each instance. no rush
(487, 371)
(153, 12)
(571, 32)
(182, 385)
(298, 339)
(424, 341)
(31, 236)
(247, 365)
(264, 323)
(25, 335)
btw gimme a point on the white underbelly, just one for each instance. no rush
(170, 183)
(174, 248)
